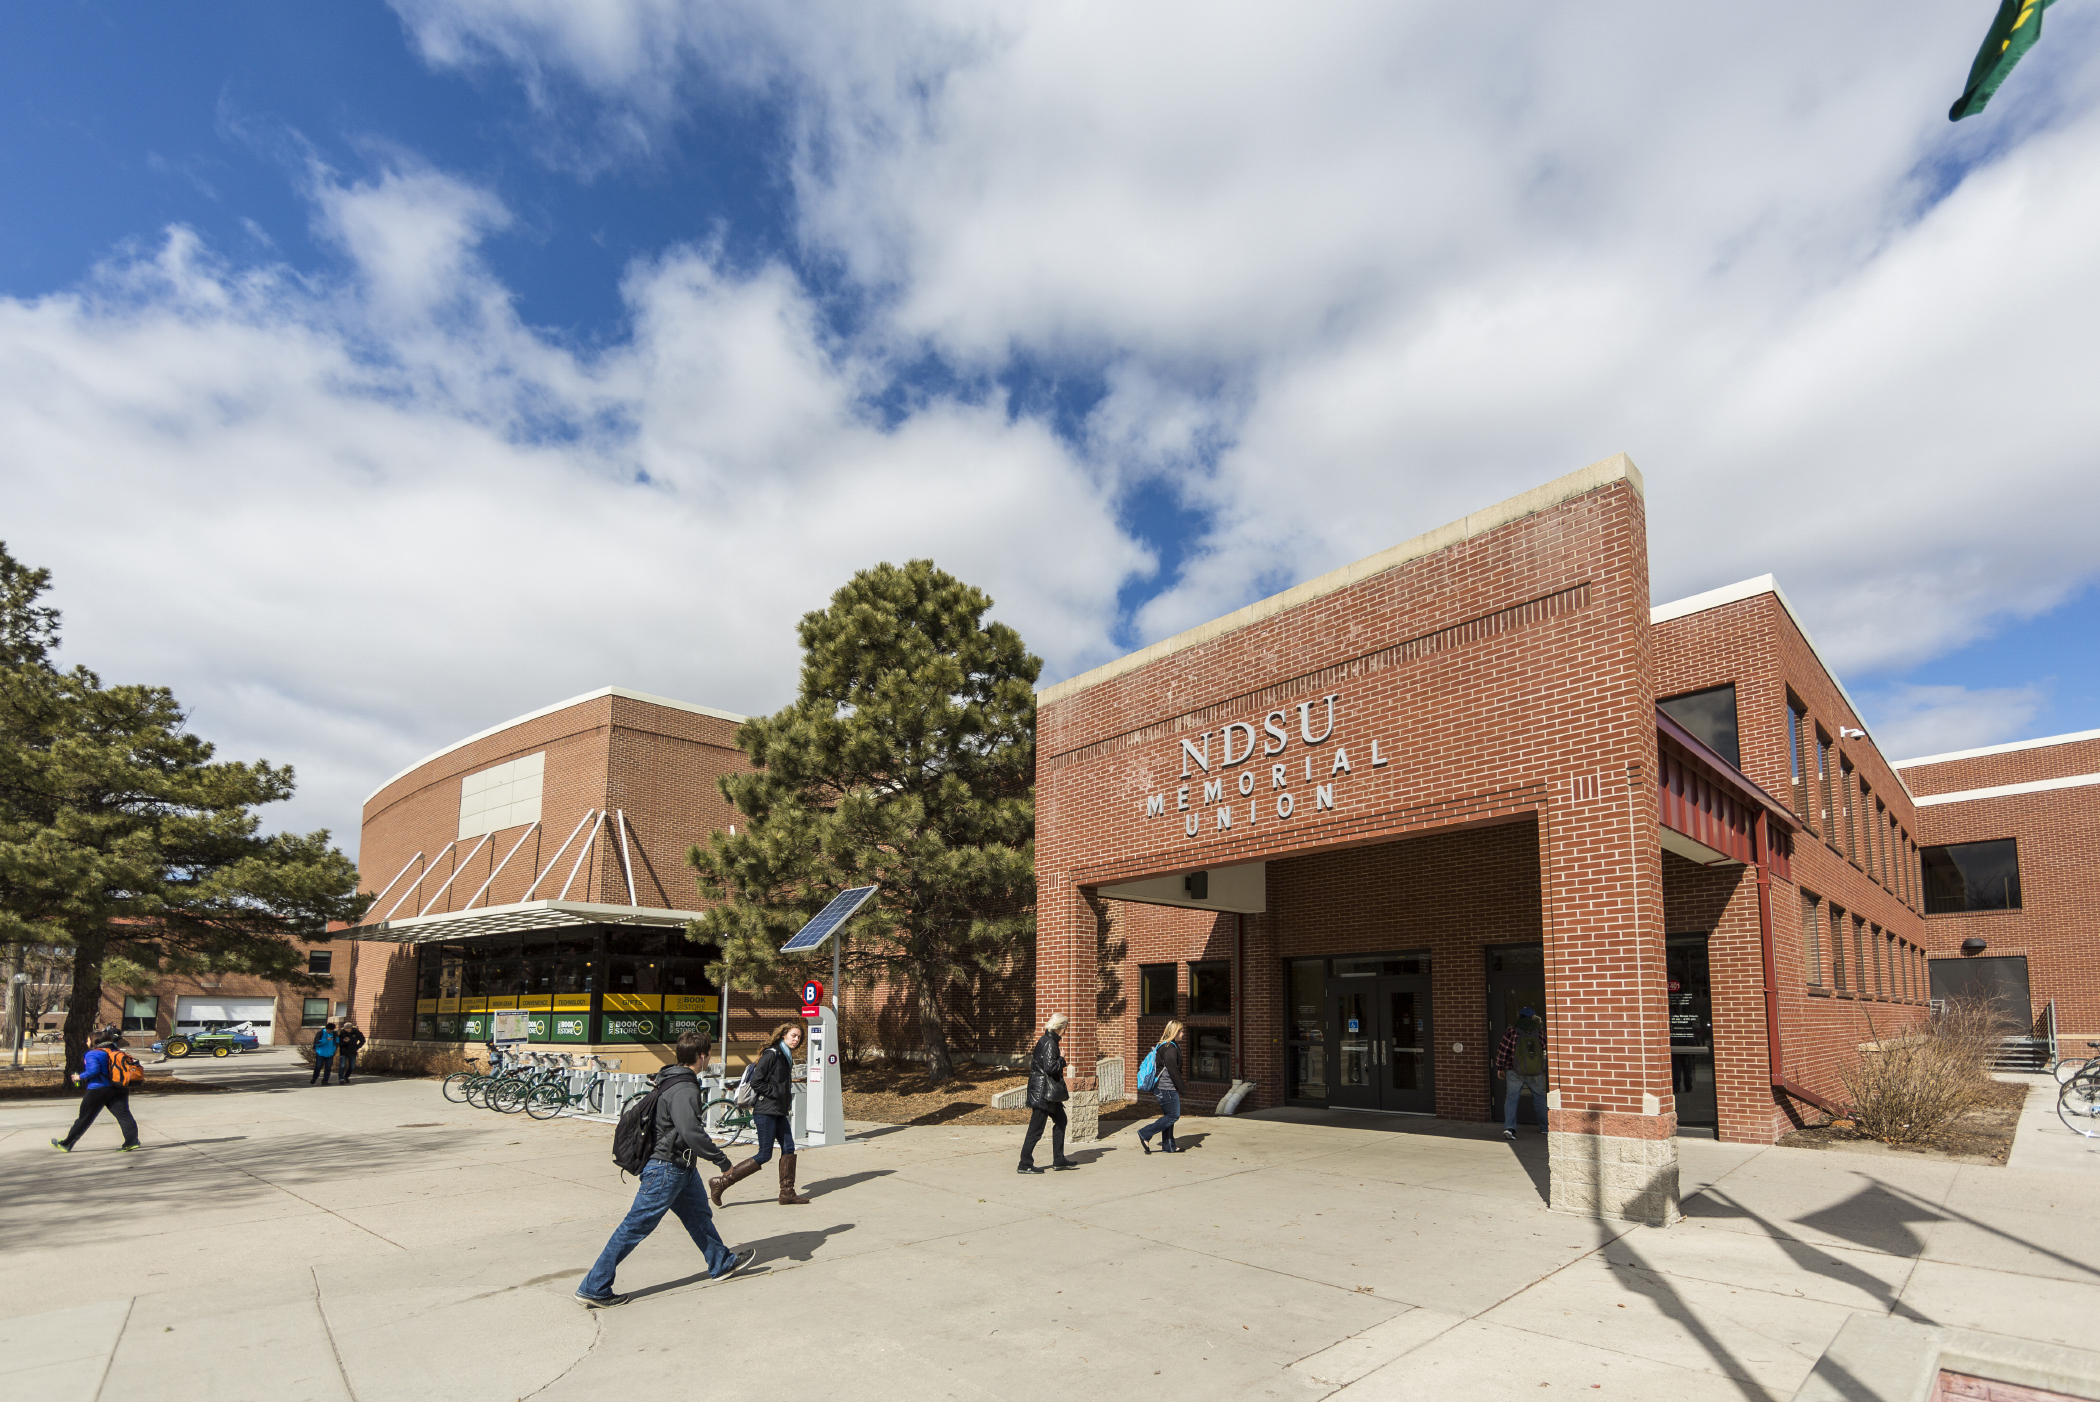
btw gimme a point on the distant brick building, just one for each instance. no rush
(2011, 891)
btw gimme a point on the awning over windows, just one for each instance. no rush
(1709, 810)
(511, 919)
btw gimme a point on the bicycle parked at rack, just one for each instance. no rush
(468, 1086)
(2078, 1103)
(553, 1089)
(2068, 1066)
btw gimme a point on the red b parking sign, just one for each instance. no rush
(812, 998)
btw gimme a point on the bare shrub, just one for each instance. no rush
(1909, 1088)
(435, 1060)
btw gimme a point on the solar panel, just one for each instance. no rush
(841, 909)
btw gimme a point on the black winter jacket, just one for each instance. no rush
(1046, 1073)
(774, 1080)
(1168, 1064)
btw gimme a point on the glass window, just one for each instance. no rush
(427, 971)
(1210, 989)
(142, 1014)
(1972, 876)
(1710, 716)
(1850, 789)
(1859, 958)
(1797, 746)
(1812, 938)
(1368, 968)
(1156, 990)
(1837, 949)
(1823, 783)
(1306, 1019)
(318, 961)
(313, 1012)
(1212, 1056)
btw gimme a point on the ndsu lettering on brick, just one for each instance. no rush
(1221, 793)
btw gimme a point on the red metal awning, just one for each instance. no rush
(1702, 797)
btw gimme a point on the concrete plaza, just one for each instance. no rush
(373, 1241)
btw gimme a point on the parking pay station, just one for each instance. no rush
(821, 1109)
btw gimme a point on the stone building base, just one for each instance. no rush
(1083, 1117)
(1619, 1177)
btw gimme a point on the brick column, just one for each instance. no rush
(1067, 980)
(1612, 1120)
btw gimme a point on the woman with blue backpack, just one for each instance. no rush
(1163, 1070)
(324, 1055)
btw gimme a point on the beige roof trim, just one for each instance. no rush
(1616, 468)
(1769, 584)
(2072, 781)
(619, 691)
(2009, 748)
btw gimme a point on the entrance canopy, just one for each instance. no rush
(1709, 810)
(512, 919)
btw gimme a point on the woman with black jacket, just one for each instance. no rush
(774, 1080)
(1046, 1096)
(1166, 1062)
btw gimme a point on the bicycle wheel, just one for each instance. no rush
(736, 1123)
(2068, 1068)
(546, 1100)
(477, 1091)
(594, 1095)
(456, 1085)
(2078, 1105)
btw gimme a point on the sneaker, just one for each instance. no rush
(129, 1148)
(1510, 1135)
(1024, 1168)
(601, 1302)
(1062, 1164)
(62, 1146)
(742, 1260)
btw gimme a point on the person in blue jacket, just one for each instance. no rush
(101, 1089)
(324, 1054)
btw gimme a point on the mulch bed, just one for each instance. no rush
(896, 1093)
(48, 1083)
(1982, 1136)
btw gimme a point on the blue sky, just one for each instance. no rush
(377, 373)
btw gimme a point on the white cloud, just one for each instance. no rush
(351, 521)
(1385, 265)
(1913, 721)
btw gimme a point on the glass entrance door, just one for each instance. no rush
(1383, 1035)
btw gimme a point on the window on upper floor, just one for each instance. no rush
(1966, 876)
(1837, 950)
(318, 961)
(1210, 988)
(1848, 794)
(1823, 767)
(1796, 744)
(1860, 986)
(1866, 826)
(1710, 716)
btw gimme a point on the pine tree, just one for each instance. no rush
(122, 839)
(907, 762)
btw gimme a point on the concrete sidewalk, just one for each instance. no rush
(2044, 1141)
(374, 1241)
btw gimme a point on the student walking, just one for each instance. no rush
(1166, 1064)
(773, 1114)
(324, 1054)
(670, 1183)
(1520, 1059)
(1046, 1097)
(348, 1043)
(106, 1079)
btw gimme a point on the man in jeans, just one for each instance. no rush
(324, 1055)
(348, 1043)
(670, 1183)
(102, 1090)
(1520, 1060)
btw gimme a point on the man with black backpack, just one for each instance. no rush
(658, 1137)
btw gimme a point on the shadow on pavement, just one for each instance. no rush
(795, 1246)
(823, 1187)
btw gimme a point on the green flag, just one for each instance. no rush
(2013, 32)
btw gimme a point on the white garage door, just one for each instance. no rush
(196, 1014)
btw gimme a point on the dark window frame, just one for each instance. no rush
(309, 1018)
(1728, 746)
(1202, 969)
(1147, 974)
(148, 1021)
(320, 961)
(2013, 894)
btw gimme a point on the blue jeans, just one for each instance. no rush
(1169, 1111)
(1518, 1082)
(774, 1129)
(666, 1187)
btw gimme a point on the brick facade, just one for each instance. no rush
(2058, 831)
(1497, 674)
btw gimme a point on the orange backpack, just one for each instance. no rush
(124, 1069)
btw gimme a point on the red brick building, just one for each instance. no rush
(1347, 832)
(2010, 833)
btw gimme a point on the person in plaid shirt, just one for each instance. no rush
(1520, 1059)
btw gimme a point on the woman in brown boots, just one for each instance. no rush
(773, 1078)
